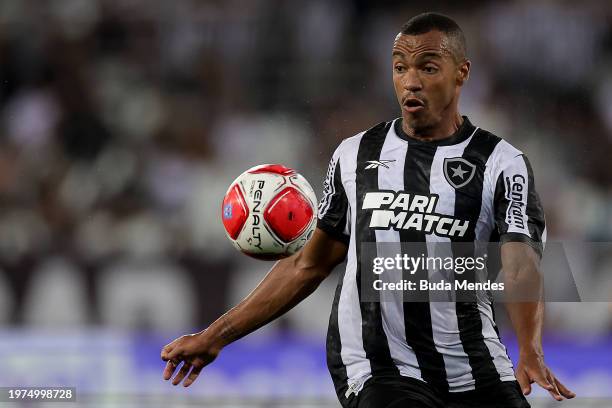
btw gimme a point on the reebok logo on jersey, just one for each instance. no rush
(374, 164)
(411, 211)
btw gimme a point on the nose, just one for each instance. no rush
(412, 81)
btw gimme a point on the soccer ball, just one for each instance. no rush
(269, 212)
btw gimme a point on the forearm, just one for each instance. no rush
(524, 302)
(527, 319)
(289, 282)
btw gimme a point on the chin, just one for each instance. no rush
(417, 121)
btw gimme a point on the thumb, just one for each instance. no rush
(523, 379)
(168, 348)
(170, 353)
(165, 351)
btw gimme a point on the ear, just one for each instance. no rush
(463, 72)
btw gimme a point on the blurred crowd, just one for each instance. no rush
(123, 122)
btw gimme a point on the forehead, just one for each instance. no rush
(432, 41)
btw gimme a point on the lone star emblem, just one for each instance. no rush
(458, 171)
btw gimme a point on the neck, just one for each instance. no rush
(443, 129)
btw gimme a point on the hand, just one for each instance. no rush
(194, 351)
(531, 368)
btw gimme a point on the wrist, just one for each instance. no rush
(220, 333)
(531, 350)
(210, 341)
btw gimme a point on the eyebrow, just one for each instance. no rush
(429, 54)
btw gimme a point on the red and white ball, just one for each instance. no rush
(269, 212)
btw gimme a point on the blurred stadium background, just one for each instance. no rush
(122, 122)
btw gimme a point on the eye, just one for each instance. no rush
(430, 69)
(399, 68)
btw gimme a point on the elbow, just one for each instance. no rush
(308, 271)
(524, 284)
(527, 272)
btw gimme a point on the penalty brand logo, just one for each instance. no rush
(256, 193)
(407, 211)
(374, 164)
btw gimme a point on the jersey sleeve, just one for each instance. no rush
(518, 212)
(333, 214)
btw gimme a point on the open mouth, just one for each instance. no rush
(413, 104)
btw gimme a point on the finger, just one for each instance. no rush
(524, 382)
(168, 349)
(555, 391)
(539, 376)
(176, 354)
(182, 373)
(169, 370)
(165, 350)
(193, 375)
(564, 390)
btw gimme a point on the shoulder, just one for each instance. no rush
(501, 149)
(503, 153)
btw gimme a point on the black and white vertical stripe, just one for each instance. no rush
(481, 361)
(445, 324)
(418, 319)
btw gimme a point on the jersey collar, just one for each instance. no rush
(465, 130)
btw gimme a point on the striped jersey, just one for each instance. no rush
(473, 187)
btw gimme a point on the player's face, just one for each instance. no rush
(426, 78)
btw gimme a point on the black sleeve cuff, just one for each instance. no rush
(518, 237)
(333, 232)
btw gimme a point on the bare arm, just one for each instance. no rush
(289, 282)
(523, 282)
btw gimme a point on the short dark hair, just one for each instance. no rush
(426, 22)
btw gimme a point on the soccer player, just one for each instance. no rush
(411, 354)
